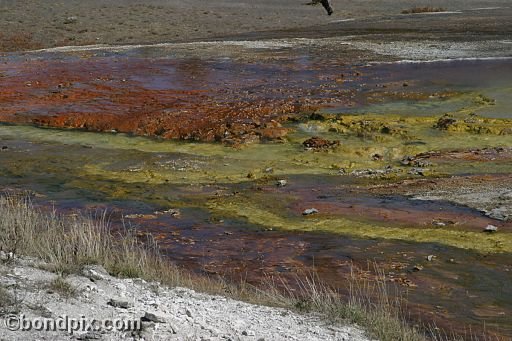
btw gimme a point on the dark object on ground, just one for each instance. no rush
(445, 122)
(318, 143)
(327, 6)
(324, 3)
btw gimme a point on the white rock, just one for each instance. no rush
(248, 333)
(310, 211)
(95, 272)
(282, 183)
(491, 228)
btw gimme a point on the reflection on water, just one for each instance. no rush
(488, 77)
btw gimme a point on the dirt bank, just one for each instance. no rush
(157, 312)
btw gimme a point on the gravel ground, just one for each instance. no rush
(167, 314)
(28, 24)
(492, 198)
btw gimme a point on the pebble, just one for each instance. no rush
(282, 183)
(500, 213)
(5, 256)
(71, 20)
(491, 228)
(153, 317)
(95, 272)
(310, 211)
(417, 268)
(173, 212)
(119, 303)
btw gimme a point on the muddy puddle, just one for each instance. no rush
(215, 157)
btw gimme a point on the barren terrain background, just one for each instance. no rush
(29, 24)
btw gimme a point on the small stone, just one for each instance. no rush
(282, 183)
(269, 170)
(418, 171)
(173, 330)
(95, 272)
(71, 20)
(310, 211)
(445, 122)
(417, 268)
(153, 317)
(318, 143)
(406, 160)
(500, 213)
(119, 303)
(189, 314)
(491, 229)
(173, 212)
(120, 286)
(214, 332)
(5, 256)
(430, 258)
(146, 331)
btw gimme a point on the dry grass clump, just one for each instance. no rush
(62, 287)
(67, 244)
(426, 9)
(369, 305)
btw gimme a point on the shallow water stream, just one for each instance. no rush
(234, 218)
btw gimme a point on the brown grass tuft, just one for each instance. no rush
(62, 287)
